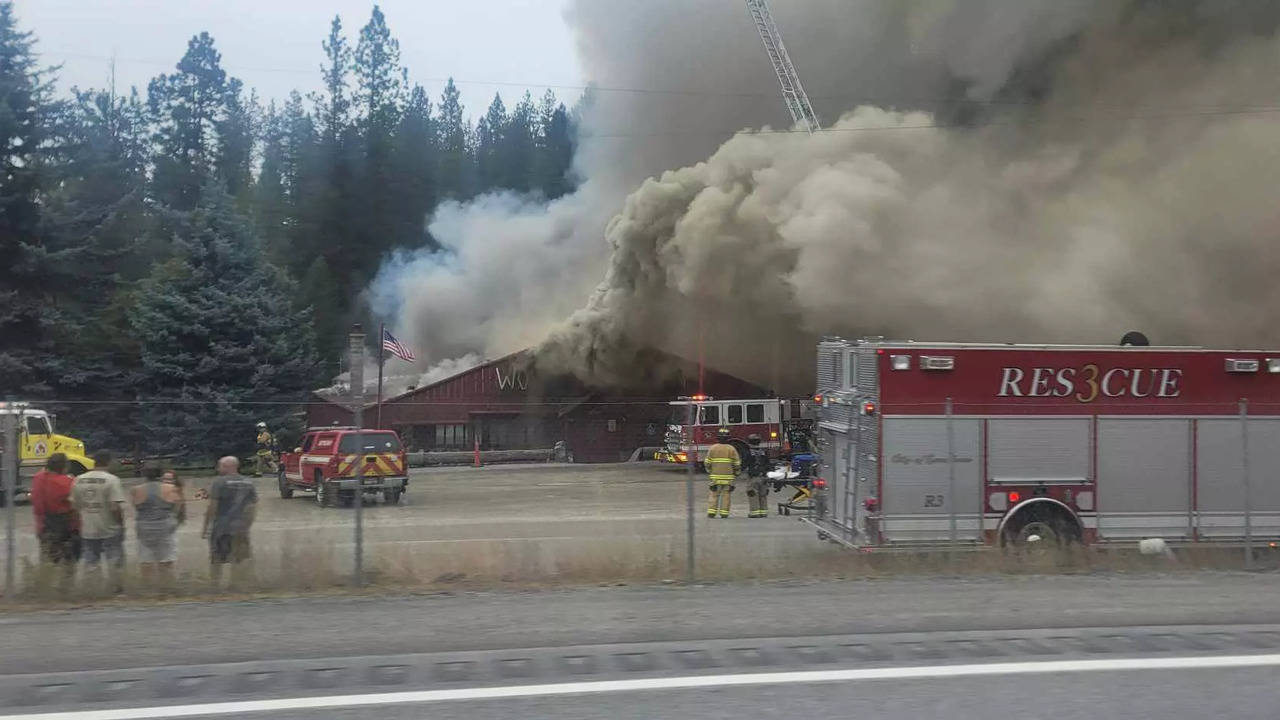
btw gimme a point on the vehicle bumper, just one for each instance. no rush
(371, 484)
(671, 457)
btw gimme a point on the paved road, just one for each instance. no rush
(677, 651)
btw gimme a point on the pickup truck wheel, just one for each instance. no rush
(286, 490)
(322, 491)
(346, 498)
(391, 497)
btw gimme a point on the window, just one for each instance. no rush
(755, 413)
(734, 413)
(37, 426)
(381, 442)
(307, 442)
(837, 363)
(709, 415)
(451, 436)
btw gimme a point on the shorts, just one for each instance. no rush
(229, 548)
(110, 548)
(158, 548)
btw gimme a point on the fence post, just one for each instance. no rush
(1244, 472)
(689, 573)
(9, 458)
(356, 342)
(951, 474)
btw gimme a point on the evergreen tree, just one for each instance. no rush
(320, 291)
(96, 219)
(379, 93)
(455, 158)
(517, 150)
(270, 193)
(186, 108)
(27, 318)
(413, 170)
(490, 136)
(379, 76)
(554, 158)
(236, 130)
(217, 330)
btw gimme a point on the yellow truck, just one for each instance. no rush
(37, 440)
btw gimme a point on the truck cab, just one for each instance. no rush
(766, 417)
(37, 440)
(327, 460)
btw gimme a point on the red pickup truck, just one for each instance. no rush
(326, 460)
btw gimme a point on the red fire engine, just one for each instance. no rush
(768, 418)
(1005, 444)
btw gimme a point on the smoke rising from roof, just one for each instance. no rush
(1006, 170)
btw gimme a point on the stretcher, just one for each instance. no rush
(797, 473)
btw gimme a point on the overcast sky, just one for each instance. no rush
(274, 45)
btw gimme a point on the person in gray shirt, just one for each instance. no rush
(233, 503)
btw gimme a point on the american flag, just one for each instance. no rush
(392, 345)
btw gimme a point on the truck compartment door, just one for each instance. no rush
(918, 498)
(1144, 478)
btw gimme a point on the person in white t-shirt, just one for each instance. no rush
(99, 499)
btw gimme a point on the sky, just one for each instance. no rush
(274, 45)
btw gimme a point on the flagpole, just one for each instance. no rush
(382, 348)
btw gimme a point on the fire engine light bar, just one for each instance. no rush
(1241, 365)
(900, 362)
(1273, 365)
(937, 362)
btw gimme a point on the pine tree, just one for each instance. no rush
(554, 159)
(236, 129)
(320, 291)
(217, 330)
(186, 108)
(413, 172)
(270, 192)
(379, 76)
(27, 318)
(490, 134)
(517, 152)
(455, 159)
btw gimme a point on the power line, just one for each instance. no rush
(772, 96)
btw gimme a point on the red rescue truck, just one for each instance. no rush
(1006, 444)
(327, 459)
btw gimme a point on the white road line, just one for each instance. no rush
(674, 683)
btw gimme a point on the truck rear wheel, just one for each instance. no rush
(391, 497)
(286, 490)
(1041, 529)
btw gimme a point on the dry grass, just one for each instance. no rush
(317, 568)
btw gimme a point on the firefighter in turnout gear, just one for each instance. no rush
(758, 484)
(723, 465)
(266, 455)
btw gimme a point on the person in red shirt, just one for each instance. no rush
(56, 521)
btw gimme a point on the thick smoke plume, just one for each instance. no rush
(1007, 170)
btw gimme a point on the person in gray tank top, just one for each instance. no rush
(159, 508)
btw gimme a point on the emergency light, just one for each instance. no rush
(937, 362)
(868, 408)
(1273, 365)
(900, 362)
(1242, 365)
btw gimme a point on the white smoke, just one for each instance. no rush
(1109, 171)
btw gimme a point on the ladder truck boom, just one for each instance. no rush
(792, 91)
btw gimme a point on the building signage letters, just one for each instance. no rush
(512, 380)
(1088, 383)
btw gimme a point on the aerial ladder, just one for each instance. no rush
(792, 91)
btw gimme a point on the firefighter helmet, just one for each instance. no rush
(723, 433)
(262, 426)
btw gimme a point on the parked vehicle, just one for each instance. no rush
(37, 440)
(1012, 444)
(325, 463)
(772, 419)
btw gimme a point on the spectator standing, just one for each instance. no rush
(57, 528)
(99, 500)
(159, 508)
(233, 503)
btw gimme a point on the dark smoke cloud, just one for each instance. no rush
(1018, 170)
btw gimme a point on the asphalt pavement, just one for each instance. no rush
(1144, 645)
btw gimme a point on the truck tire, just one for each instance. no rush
(346, 498)
(322, 490)
(1041, 530)
(391, 497)
(286, 490)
